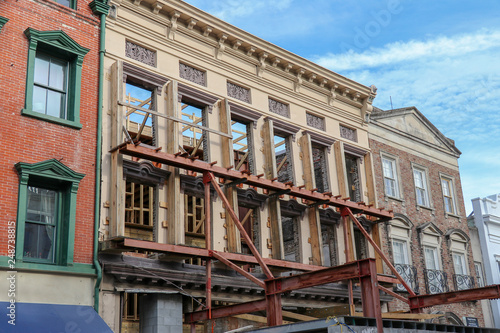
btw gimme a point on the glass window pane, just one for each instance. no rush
(42, 69)
(57, 74)
(430, 258)
(39, 241)
(66, 3)
(39, 99)
(55, 104)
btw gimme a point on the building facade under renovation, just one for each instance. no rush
(182, 82)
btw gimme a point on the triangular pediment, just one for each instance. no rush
(412, 123)
(49, 169)
(430, 228)
(58, 39)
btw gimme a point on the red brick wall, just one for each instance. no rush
(420, 216)
(30, 140)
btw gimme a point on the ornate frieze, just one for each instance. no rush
(241, 93)
(315, 121)
(348, 133)
(139, 53)
(192, 74)
(279, 108)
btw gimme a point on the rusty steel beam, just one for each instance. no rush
(225, 311)
(370, 297)
(208, 246)
(246, 274)
(201, 166)
(347, 212)
(240, 227)
(393, 294)
(204, 253)
(319, 277)
(423, 301)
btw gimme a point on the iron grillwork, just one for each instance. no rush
(463, 282)
(409, 274)
(435, 281)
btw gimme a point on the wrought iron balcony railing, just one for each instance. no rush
(409, 274)
(463, 282)
(435, 281)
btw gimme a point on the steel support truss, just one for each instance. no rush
(363, 270)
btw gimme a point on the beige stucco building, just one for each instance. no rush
(216, 93)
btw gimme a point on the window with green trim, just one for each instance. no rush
(53, 79)
(46, 212)
(3, 21)
(68, 3)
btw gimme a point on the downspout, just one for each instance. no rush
(99, 8)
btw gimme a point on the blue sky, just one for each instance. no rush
(441, 56)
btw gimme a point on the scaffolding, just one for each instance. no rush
(362, 271)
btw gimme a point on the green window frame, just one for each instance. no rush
(68, 3)
(57, 47)
(55, 217)
(3, 21)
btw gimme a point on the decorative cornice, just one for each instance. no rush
(50, 169)
(251, 198)
(283, 127)
(99, 7)
(145, 173)
(320, 139)
(196, 97)
(329, 216)
(241, 113)
(249, 48)
(145, 77)
(291, 208)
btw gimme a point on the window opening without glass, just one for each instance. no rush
(282, 155)
(139, 124)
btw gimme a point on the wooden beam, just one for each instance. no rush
(201, 166)
(274, 211)
(233, 236)
(179, 120)
(310, 183)
(297, 316)
(225, 311)
(338, 148)
(176, 230)
(187, 251)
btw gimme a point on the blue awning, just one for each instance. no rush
(50, 318)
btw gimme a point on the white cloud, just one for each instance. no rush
(454, 81)
(398, 52)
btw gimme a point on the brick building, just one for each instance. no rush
(49, 64)
(417, 176)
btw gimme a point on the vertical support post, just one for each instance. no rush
(370, 297)
(208, 244)
(233, 237)
(273, 303)
(310, 183)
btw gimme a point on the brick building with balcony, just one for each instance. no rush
(417, 176)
